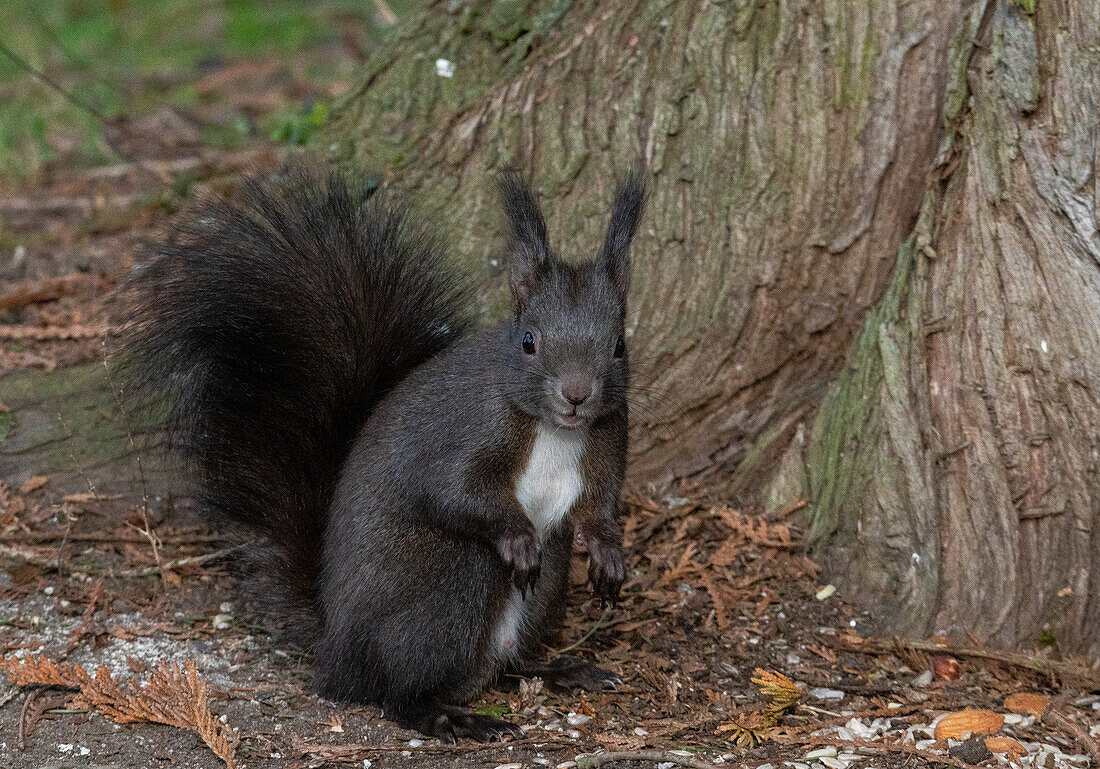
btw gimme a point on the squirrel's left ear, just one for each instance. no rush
(625, 214)
(529, 254)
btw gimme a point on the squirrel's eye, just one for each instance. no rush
(529, 343)
(620, 347)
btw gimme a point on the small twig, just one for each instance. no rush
(167, 566)
(199, 164)
(354, 752)
(87, 620)
(1053, 669)
(592, 760)
(35, 538)
(20, 62)
(146, 524)
(148, 571)
(595, 626)
(887, 747)
(1073, 730)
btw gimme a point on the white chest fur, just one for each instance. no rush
(546, 490)
(551, 482)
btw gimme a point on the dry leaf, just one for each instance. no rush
(34, 483)
(1006, 745)
(87, 620)
(747, 729)
(11, 504)
(970, 721)
(172, 695)
(1027, 704)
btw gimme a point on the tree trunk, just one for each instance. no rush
(875, 217)
(789, 144)
(954, 464)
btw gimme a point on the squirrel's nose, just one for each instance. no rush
(576, 392)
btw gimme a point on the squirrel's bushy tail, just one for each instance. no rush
(272, 324)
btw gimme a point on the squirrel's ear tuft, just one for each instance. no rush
(625, 215)
(528, 245)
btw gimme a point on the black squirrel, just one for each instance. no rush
(418, 485)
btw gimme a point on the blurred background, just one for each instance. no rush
(88, 82)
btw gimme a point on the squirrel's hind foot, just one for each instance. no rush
(449, 723)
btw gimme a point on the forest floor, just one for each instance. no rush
(733, 648)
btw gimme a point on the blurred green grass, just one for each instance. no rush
(129, 57)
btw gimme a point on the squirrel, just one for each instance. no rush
(417, 486)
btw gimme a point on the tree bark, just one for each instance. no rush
(954, 464)
(788, 142)
(873, 219)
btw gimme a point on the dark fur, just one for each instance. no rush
(320, 379)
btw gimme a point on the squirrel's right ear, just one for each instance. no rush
(528, 244)
(626, 212)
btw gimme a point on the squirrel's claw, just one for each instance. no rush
(606, 570)
(520, 552)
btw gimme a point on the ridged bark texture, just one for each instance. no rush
(788, 144)
(954, 464)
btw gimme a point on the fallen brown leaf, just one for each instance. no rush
(34, 483)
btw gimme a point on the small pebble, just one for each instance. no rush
(828, 751)
(444, 68)
(826, 592)
(923, 679)
(578, 719)
(415, 743)
(640, 731)
(822, 693)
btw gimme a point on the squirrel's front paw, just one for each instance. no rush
(606, 569)
(520, 551)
